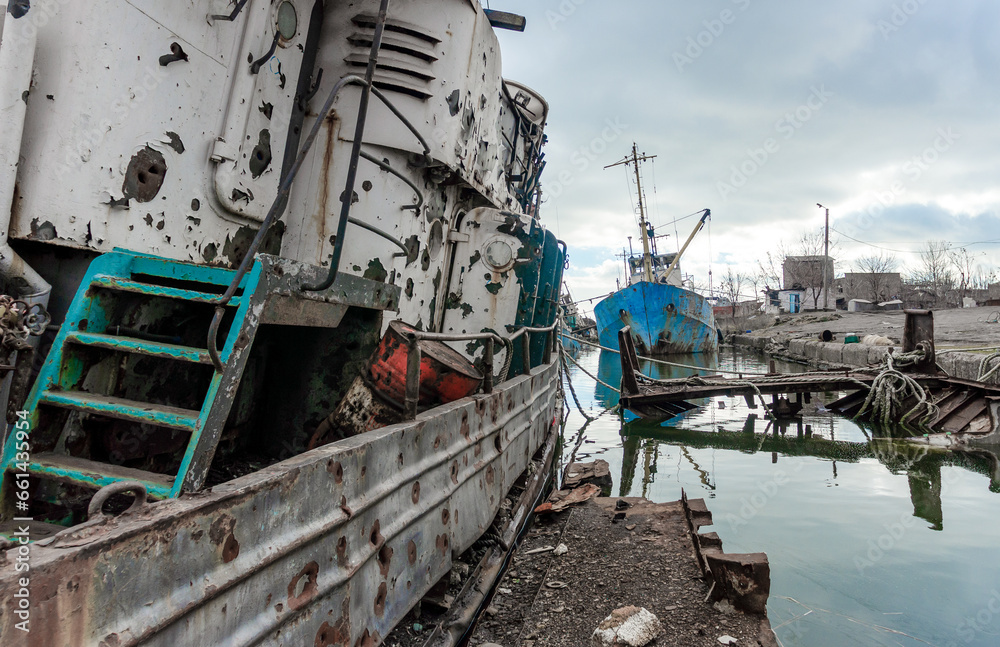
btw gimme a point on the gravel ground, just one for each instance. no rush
(965, 327)
(646, 560)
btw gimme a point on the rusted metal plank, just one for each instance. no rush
(332, 546)
(112, 407)
(628, 361)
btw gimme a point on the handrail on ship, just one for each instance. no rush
(286, 185)
(414, 356)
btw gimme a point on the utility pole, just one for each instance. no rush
(826, 258)
(634, 160)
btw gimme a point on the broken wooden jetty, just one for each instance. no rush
(944, 409)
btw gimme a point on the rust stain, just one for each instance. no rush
(384, 560)
(339, 633)
(411, 552)
(375, 537)
(335, 468)
(445, 516)
(383, 591)
(454, 472)
(489, 475)
(296, 601)
(231, 550)
(324, 188)
(442, 544)
(416, 492)
(368, 640)
(342, 552)
(111, 640)
(465, 425)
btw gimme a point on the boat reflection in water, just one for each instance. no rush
(810, 436)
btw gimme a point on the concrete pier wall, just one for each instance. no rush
(961, 365)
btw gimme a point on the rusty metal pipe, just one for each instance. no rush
(412, 378)
(378, 232)
(488, 367)
(388, 169)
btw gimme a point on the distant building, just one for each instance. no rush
(872, 286)
(805, 274)
(805, 271)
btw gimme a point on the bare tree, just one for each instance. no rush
(769, 270)
(732, 285)
(969, 272)
(934, 275)
(878, 278)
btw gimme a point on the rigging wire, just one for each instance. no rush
(911, 251)
(710, 289)
(656, 198)
(628, 183)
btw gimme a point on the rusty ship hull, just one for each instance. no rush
(664, 319)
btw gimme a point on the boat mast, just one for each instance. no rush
(647, 261)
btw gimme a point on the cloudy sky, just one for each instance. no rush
(885, 111)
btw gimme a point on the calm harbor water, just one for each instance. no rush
(871, 541)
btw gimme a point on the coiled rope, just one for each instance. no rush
(986, 374)
(891, 389)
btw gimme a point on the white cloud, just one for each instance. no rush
(893, 91)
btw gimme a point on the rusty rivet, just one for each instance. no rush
(416, 492)
(445, 516)
(364, 469)
(411, 552)
(454, 472)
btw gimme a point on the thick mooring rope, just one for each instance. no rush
(572, 391)
(891, 389)
(662, 361)
(986, 374)
(591, 376)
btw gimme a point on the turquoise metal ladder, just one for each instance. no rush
(87, 325)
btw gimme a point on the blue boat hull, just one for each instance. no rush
(665, 319)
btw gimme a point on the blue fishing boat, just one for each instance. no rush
(665, 317)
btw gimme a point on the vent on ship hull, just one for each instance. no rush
(408, 51)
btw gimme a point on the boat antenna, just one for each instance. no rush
(634, 160)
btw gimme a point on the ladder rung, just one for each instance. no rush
(112, 407)
(128, 285)
(94, 475)
(140, 347)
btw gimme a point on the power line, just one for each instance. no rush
(911, 251)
